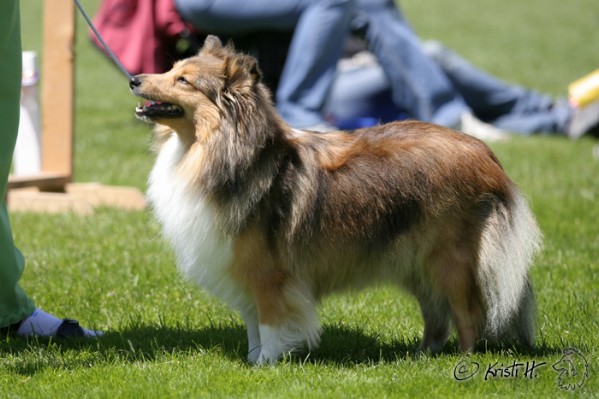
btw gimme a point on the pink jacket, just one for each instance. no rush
(141, 33)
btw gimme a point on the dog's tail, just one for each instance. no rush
(510, 241)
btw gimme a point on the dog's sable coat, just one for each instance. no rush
(271, 219)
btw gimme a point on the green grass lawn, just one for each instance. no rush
(165, 338)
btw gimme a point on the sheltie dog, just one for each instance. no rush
(271, 219)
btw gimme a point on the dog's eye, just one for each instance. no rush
(182, 80)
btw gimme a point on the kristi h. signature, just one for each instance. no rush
(467, 369)
(572, 370)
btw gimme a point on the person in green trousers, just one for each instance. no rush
(18, 314)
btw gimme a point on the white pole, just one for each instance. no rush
(27, 155)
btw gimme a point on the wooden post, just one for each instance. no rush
(58, 88)
(57, 100)
(27, 193)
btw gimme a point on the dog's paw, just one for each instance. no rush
(267, 359)
(254, 355)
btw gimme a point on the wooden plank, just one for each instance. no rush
(28, 200)
(80, 198)
(128, 198)
(57, 96)
(43, 181)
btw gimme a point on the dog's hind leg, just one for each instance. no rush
(452, 269)
(522, 326)
(467, 315)
(436, 325)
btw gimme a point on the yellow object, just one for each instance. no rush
(584, 90)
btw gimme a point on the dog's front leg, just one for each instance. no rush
(287, 319)
(250, 317)
(273, 346)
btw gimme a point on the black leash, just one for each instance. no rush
(108, 50)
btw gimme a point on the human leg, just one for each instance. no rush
(506, 106)
(16, 309)
(418, 84)
(553, 120)
(311, 63)
(361, 95)
(14, 304)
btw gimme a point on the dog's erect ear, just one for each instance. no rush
(211, 44)
(250, 64)
(242, 70)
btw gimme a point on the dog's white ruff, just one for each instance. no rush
(204, 253)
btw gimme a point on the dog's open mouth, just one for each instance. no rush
(157, 109)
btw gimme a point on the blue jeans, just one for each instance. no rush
(436, 85)
(418, 84)
(319, 26)
(361, 97)
(506, 106)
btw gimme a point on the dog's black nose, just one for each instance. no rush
(134, 82)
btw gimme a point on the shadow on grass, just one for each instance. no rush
(340, 346)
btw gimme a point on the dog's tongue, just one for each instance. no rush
(155, 109)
